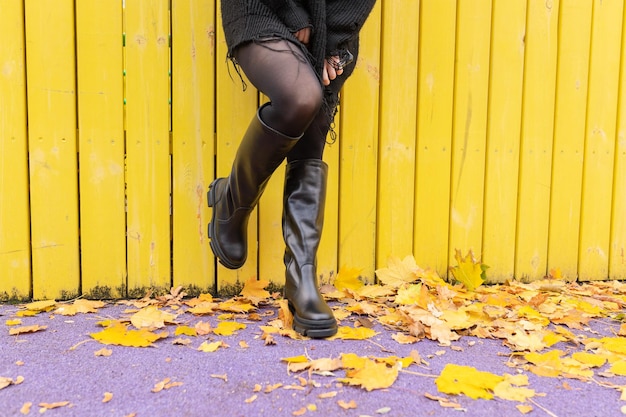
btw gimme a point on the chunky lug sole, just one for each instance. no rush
(315, 329)
(215, 247)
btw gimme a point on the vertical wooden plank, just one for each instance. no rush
(569, 135)
(396, 157)
(617, 257)
(52, 145)
(327, 252)
(503, 134)
(604, 65)
(434, 133)
(14, 209)
(470, 126)
(234, 110)
(358, 154)
(193, 127)
(101, 140)
(147, 145)
(536, 141)
(270, 231)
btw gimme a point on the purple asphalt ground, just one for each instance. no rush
(53, 372)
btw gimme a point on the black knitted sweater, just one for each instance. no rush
(334, 23)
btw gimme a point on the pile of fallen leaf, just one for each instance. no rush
(530, 318)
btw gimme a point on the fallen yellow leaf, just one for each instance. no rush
(457, 379)
(228, 328)
(119, 334)
(26, 329)
(468, 271)
(352, 333)
(151, 318)
(372, 376)
(254, 290)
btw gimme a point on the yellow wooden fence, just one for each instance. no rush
(497, 126)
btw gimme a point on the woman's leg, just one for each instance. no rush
(280, 70)
(303, 219)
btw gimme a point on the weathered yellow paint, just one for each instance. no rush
(327, 253)
(52, 145)
(604, 65)
(569, 135)
(234, 111)
(397, 130)
(270, 231)
(503, 134)
(14, 211)
(434, 133)
(536, 140)
(147, 146)
(617, 257)
(469, 130)
(359, 154)
(101, 144)
(193, 127)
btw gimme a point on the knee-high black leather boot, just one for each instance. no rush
(261, 151)
(303, 219)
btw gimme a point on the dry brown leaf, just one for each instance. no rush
(251, 399)
(444, 402)
(26, 329)
(347, 405)
(299, 412)
(103, 352)
(330, 394)
(223, 377)
(50, 406)
(108, 396)
(26, 408)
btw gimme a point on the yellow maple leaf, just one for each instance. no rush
(547, 364)
(254, 290)
(119, 334)
(398, 272)
(151, 318)
(228, 328)
(203, 307)
(211, 347)
(618, 368)
(79, 306)
(353, 333)
(352, 361)
(235, 306)
(589, 359)
(512, 388)
(458, 379)
(468, 272)
(26, 329)
(372, 376)
(185, 330)
(415, 294)
(348, 278)
(43, 305)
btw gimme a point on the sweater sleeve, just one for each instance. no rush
(344, 20)
(291, 12)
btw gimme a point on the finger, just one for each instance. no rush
(332, 72)
(325, 79)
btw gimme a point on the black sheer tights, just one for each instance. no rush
(279, 69)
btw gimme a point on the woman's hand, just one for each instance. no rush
(303, 35)
(330, 71)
